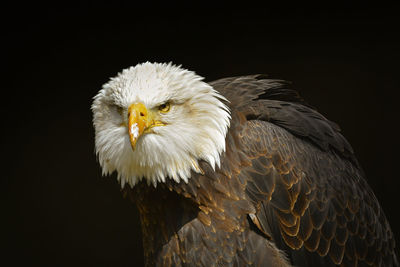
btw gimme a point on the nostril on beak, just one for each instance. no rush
(141, 114)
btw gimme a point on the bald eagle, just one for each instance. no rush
(240, 171)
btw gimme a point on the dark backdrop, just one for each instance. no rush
(59, 211)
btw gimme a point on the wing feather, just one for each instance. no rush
(304, 179)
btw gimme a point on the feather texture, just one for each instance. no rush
(289, 191)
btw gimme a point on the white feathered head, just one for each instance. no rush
(156, 121)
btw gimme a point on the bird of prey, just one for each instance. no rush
(236, 172)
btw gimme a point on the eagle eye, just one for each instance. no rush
(164, 108)
(120, 110)
(117, 108)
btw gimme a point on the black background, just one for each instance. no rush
(57, 209)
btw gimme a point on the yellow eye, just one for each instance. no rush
(164, 108)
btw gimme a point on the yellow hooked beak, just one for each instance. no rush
(140, 121)
(137, 122)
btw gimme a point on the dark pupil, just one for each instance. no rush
(163, 106)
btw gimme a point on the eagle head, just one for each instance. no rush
(156, 121)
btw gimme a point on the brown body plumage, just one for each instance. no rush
(288, 181)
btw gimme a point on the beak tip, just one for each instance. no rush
(133, 143)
